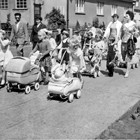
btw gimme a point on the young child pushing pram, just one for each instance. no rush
(43, 59)
(95, 55)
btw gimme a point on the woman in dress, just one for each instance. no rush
(128, 31)
(112, 34)
(5, 54)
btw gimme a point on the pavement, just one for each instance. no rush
(103, 101)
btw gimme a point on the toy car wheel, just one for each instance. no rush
(9, 87)
(137, 65)
(27, 89)
(95, 74)
(70, 98)
(78, 94)
(63, 97)
(99, 73)
(50, 95)
(36, 86)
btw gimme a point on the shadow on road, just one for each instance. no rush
(119, 71)
(56, 98)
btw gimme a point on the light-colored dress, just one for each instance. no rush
(77, 61)
(5, 53)
(127, 30)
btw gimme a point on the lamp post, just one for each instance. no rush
(67, 14)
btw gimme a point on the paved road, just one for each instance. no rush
(33, 116)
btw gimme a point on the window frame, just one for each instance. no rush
(80, 6)
(21, 7)
(100, 9)
(4, 8)
(114, 9)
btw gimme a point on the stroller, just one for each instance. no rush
(63, 85)
(93, 62)
(22, 75)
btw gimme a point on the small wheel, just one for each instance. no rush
(136, 65)
(63, 96)
(132, 66)
(99, 73)
(36, 86)
(95, 74)
(27, 89)
(9, 87)
(70, 98)
(50, 95)
(78, 94)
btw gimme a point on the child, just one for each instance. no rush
(63, 53)
(77, 63)
(44, 48)
(5, 54)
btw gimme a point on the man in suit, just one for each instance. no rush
(36, 27)
(19, 34)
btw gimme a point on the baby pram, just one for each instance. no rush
(93, 62)
(22, 75)
(62, 85)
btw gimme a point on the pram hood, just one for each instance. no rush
(18, 65)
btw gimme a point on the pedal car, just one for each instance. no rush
(64, 86)
(22, 75)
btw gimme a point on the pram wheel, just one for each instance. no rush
(99, 73)
(50, 95)
(137, 65)
(95, 74)
(36, 86)
(78, 94)
(9, 89)
(27, 89)
(63, 96)
(70, 98)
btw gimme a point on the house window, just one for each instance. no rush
(80, 6)
(3, 4)
(100, 8)
(21, 4)
(114, 9)
(62, 10)
(137, 3)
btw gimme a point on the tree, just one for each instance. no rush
(77, 26)
(55, 19)
(95, 22)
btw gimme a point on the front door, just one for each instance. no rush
(37, 10)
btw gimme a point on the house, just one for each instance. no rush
(87, 10)
(74, 10)
(137, 12)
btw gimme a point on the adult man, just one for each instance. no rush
(36, 27)
(20, 34)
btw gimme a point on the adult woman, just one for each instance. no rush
(112, 34)
(128, 30)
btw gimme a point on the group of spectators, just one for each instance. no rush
(72, 50)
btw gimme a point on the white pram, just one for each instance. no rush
(64, 86)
